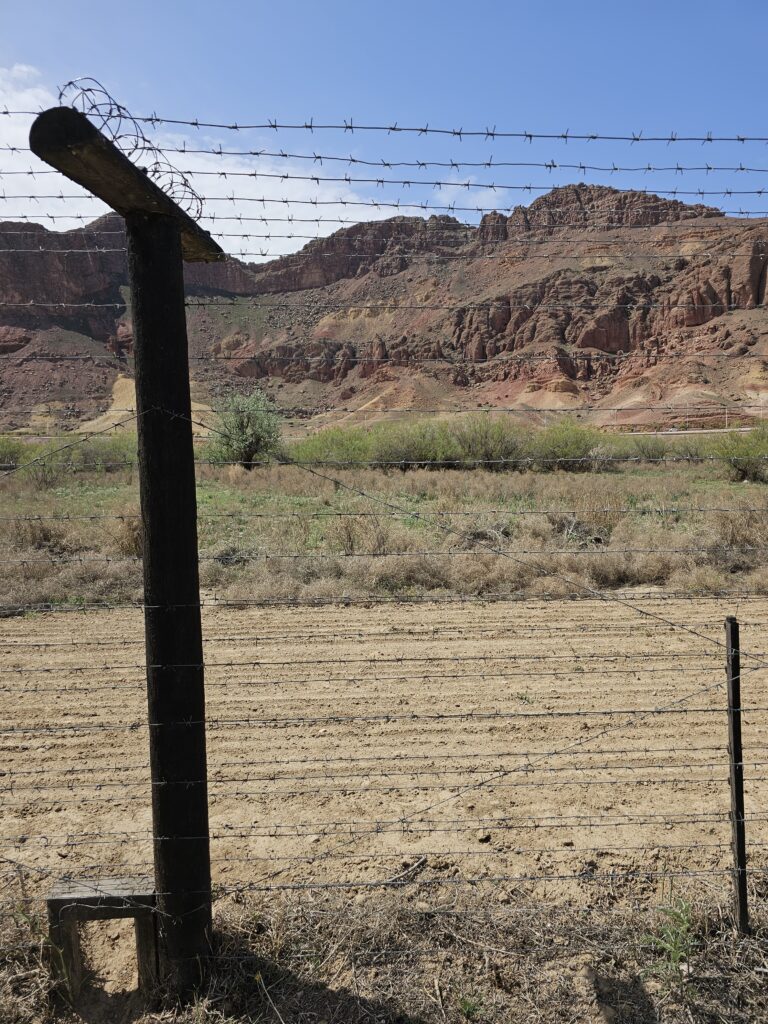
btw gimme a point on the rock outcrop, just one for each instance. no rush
(584, 291)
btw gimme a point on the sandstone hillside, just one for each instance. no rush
(588, 295)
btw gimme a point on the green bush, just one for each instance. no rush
(692, 447)
(426, 444)
(43, 464)
(745, 454)
(569, 446)
(13, 451)
(247, 431)
(334, 444)
(491, 440)
(423, 444)
(434, 444)
(106, 454)
(479, 440)
(649, 447)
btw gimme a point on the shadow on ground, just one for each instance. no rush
(242, 987)
(614, 1000)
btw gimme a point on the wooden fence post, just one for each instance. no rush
(175, 686)
(160, 236)
(736, 757)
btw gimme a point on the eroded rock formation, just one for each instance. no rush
(543, 295)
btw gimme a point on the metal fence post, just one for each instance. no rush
(736, 757)
(160, 235)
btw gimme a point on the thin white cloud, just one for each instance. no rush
(230, 190)
(28, 191)
(22, 175)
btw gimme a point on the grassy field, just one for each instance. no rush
(357, 514)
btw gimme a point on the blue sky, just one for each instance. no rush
(589, 64)
(592, 66)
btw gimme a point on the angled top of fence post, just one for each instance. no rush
(66, 139)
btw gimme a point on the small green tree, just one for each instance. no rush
(247, 430)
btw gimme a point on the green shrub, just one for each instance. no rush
(570, 446)
(649, 447)
(419, 445)
(247, 431)
(426, 444)
(745, 454)
(693, 447)
(13, 451)
(674, 943)
(106, 454)
(491, 440)
(43, 464)
(423, 444)
(480, 440)
(334, 444)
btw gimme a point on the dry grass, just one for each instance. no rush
(125, 536)
(524, 533)
(413, 956)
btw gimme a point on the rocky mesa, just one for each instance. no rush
(588, 295)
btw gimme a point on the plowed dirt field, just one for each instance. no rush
(575, 743)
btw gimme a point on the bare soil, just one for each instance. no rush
(464, 749)
(351, 744)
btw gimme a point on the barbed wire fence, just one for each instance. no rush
(474, 746)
